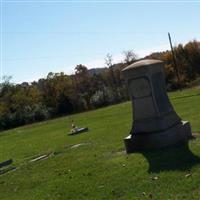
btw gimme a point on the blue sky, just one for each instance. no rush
(53, 36)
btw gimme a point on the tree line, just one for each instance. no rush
(188, 64)
(60, 94)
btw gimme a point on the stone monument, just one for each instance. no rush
(155, 123)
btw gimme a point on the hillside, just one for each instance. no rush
(93, 165)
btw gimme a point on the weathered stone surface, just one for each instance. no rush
(78, 130)
(39, 158)
(6, 163)
(155, 140)
(154, 117)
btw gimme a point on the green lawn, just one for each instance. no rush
(100, 169)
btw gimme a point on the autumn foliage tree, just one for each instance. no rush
(59, 94)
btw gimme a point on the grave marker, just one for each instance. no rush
(155, 123)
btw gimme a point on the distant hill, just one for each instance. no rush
(117, 66)
(94, 71)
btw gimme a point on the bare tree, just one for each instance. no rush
(129, 56)
(108, 60)
(109, 64)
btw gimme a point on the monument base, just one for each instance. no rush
(177, 134)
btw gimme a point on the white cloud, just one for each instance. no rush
(142, 53)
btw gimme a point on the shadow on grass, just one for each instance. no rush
(169, 159)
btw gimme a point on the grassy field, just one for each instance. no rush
(99, 168)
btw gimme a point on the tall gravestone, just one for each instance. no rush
(155, 123)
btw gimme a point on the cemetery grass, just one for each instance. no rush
(100, 168)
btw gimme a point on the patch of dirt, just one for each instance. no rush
(119, 153)
(115, 153)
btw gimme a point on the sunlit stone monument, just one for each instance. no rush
(155, 123)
